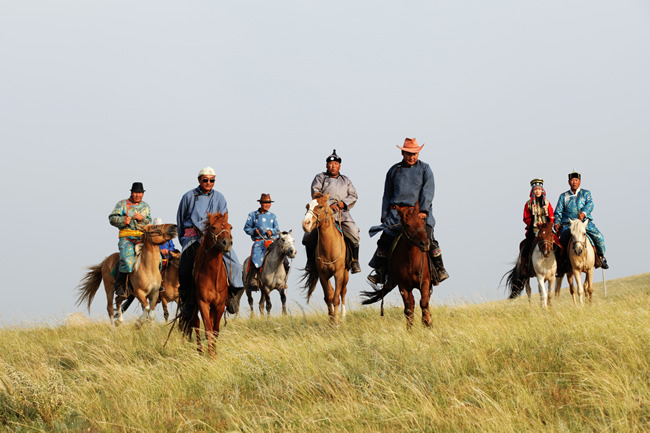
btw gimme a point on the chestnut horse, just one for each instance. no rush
(583, 259)
(330, 256)
(144, 281)
(210, 281)
(409, 266)
(544, 265)
(170, 282)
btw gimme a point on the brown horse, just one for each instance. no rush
(330, 256)
(144, 281)
(409, 266)
(210, 281)
(170, 282)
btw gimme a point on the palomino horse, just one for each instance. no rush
(330, 256)
(273, 275)
(210, 281)
(544, 266)
(170, 282)
(409, 266)
(144, 281)
(582, 258)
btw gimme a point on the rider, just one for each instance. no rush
(168, 246)
(344, 195)
(537, 211)
(127, 216)
(407, 182)
(262, 226)
(577, 203)
(192, 212)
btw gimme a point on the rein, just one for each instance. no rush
(318, 240)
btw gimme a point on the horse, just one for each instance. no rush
(583, 259)
(210, 282)
(144, 281)
(273, 275)
(330, 256)
(544, 262)
(170, 282)
(409, 266)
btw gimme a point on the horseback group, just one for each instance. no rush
(558, 242)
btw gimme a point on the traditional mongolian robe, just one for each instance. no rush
(262, 222)
(129, 234)
(192, 212)
(340, 189)
(406, 186)
(569, 206)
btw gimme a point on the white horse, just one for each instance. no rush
(582, 257)
(544, 264)
(273, 275)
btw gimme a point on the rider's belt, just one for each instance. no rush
(130, 233)
(190, 233)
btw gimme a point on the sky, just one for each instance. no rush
(97, 95)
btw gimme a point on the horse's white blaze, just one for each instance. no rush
(309, 221)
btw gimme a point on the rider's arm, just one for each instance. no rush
(116, 218)
(589, 204)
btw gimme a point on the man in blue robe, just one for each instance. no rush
(577, 203)
(262, 226)
(192, 213)
(408, 182)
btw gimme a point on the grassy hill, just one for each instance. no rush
(497, 367)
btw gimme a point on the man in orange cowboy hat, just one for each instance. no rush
(408, 182)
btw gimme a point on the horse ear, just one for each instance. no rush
(316, 195)
(327, 196)
(226, 216)
(417, 207)
(290, 231)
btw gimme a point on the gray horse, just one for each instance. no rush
(274, 274)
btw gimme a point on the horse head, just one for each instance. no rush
(579, 235)
(317, 211)
(288, 244)
(545, 239)
(413, 226)
(216, 232)
(159, 233)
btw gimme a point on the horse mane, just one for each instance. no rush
(212, 217)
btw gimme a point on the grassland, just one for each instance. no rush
(494, 367)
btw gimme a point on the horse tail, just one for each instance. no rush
(185, 322)
(310, 279)
(514, 281)
(376, 295)
(89, 284)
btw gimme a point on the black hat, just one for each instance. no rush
(333, 157)
(137, 187)
(574, 174)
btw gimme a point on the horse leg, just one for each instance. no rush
(328, 293)
(572, 290)
(267, 297)
(249, 295)
(262, 302)
(577, 275)
(425, 296)
(551, 283)
(196, 324)
(409, 305)
(558, 284)
(206, 312)
(344, 291)
(589, 279)
(541, 286)
(163, 301)
(283, 298)
(217, 314)
(109, 301)
(528, 290)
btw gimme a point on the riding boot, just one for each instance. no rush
(252, 277)
(354, 265)
(379, 276)
(120, 284)
(603, 262)
(442, 272)
(311, 259)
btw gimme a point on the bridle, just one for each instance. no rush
(215, 238)
(319, 222)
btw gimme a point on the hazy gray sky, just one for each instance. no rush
(96, 95)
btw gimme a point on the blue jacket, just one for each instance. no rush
(193, 210)
(262, 222)
(570, 205)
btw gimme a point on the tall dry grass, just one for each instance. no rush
(495, 367)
